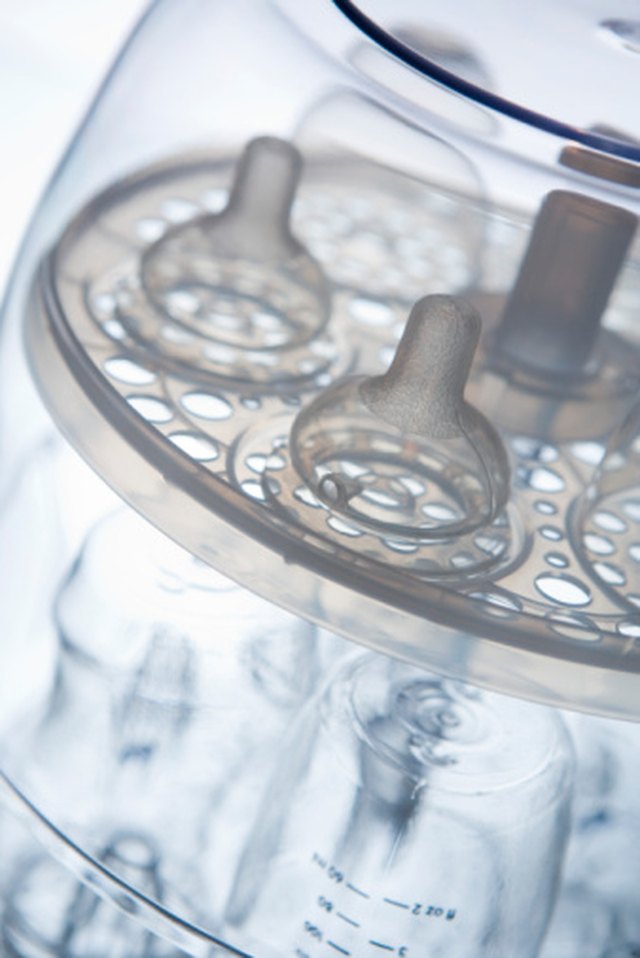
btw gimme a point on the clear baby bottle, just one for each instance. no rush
(409, 817)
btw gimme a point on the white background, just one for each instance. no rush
(53, 54)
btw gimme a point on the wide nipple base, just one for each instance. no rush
(384, 496)
(403, 456)
(227, 295)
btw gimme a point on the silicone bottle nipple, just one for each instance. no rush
(404, 454)
(240, 277)
(255, 223)
(606, 521)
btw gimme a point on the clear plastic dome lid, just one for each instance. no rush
(535, 67)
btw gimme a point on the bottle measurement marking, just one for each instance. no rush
(327, 904)
(396, 904)
(336, 875)
(358, 891)
(343, 951)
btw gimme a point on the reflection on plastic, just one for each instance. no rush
(582, 924)
(602, 853)
(49, 914)
(173, 691)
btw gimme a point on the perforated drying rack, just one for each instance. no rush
(193, 431)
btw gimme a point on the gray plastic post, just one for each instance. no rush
(552, 317)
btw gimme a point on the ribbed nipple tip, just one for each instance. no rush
(444, 318)
(422, 391)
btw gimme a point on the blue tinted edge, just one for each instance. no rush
(398, 49)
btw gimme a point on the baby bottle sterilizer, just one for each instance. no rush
(320, 493)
